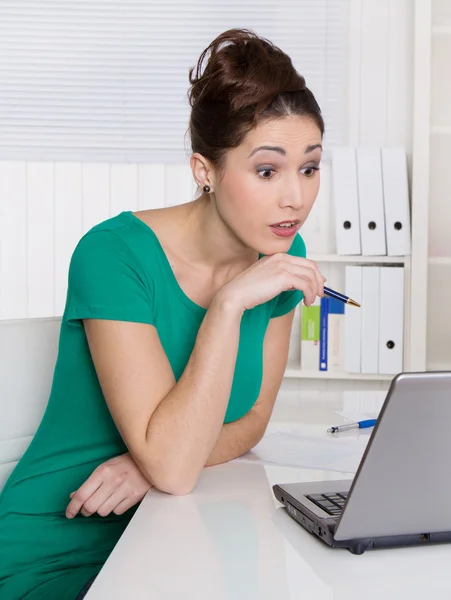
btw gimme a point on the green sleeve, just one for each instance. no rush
(286, 301)
(106, 281)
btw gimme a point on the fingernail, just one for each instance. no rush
(69, 515)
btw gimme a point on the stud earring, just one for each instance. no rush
(206, 189)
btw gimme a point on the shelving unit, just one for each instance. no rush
(440, 260)
(441, 30)
(294, 373)
(441, 130)
(357, 259)
(414, 51)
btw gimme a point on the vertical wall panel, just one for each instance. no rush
(95, 194)
(441, 13)
(40, 247)
(180, 184)
(151, 186)
(124, 188)
(441, 81)
(354, 72)
(68, 225)
(374, 72)
(400, 74)
(13, 240)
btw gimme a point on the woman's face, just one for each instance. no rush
(269, 182)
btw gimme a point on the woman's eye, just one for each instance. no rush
(265, 173)
(309, 171)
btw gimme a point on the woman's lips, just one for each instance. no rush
(283, 229)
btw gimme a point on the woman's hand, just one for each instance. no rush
(269, 277)
(115, 486)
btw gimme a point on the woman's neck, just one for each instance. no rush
(206, 240)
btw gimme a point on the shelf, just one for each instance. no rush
(300, 374)
(441, 130)
(441, 30)
(350, 259)
(439, 260)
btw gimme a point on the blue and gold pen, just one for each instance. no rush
(342, 297)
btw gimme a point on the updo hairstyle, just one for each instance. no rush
(241, 80)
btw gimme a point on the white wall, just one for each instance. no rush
(46, 207)
(439, 297)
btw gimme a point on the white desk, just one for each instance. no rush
(230, 539)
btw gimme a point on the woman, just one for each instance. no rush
(175, 333)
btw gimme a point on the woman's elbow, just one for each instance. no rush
(175, 487)
(173, 481)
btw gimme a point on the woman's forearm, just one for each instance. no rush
(237, 438)
(186, 424)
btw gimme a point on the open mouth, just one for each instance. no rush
(293, 223)
(285, 228)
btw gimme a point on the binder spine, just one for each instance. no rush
(324, 327)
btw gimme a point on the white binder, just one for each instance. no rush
(370, 319)
(346, 200)
(391, 320)
(396, 201)
(353, 319)
(371, 201)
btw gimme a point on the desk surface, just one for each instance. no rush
(230, 539)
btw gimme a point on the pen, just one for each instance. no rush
(357, 425)
(342, 297)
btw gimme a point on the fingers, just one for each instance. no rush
(321, 280)
(300, 278)
(309, 292)
(111, 504)
(112, 483)
(308, 271)
(99, 498)
(84, 492)
(124, 505)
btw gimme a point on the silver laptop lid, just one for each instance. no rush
(403, 484)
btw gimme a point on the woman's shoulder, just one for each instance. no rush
(122, 225)
(126, 242)
(123, 233)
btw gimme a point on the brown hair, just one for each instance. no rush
(246, 80)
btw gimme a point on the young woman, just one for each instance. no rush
(175, 334)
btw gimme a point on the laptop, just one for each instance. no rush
(401, 493)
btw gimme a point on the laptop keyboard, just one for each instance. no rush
(332, 503)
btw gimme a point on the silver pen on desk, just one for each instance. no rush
(357, 425)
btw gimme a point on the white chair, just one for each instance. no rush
(28, 351)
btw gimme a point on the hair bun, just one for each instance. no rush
(240, 69)
(239, 81)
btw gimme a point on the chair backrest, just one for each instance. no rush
(28, 351)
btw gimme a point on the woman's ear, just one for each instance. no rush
(203, 171)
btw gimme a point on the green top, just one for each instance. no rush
(118, 271)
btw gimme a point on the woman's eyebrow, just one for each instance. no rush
(282, 151)
(278, 149)
(313, 147)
